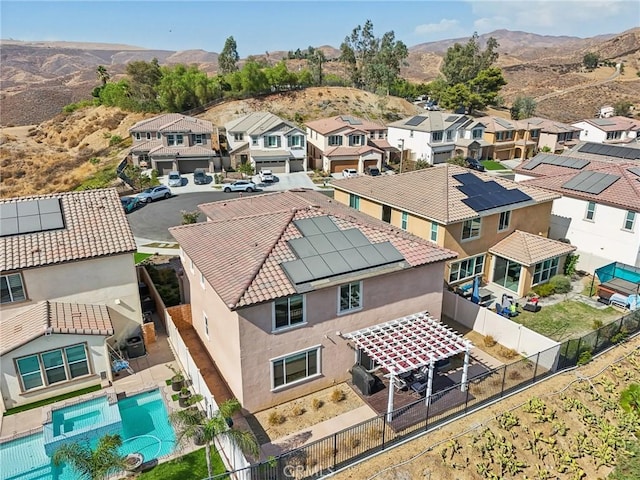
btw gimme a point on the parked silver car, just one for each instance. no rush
(154, 193)
(240, 186)
(175, 180)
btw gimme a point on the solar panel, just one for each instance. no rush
(30, 216)
(503, 123)
(451, 118)
(351, 120)
(591, 182)
(483, 195)
(634, 170)
(559, 160)
(617, 151)
(325, 251)
(603, 121)
(415, 121)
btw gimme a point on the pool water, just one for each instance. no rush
(145, 429)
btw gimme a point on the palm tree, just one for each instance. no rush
(630, 399)
(92, 464)
(193, 424)
(103, 75)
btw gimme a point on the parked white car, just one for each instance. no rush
(154, 193)
(349, 172)
(240, 186)
(266, 176)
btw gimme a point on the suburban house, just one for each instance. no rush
(497, 227)
(69, 285)
(556, 136)
(602, 152)
(437, 136)
(336, 143)
(599, 209)
(608, 130)
(267, 142)
(174, 142)
(510, 139)
(276, 282)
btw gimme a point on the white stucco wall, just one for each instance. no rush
(98, 281)
(600, 241)
(589, 133)
(12, 394)
(418, 144)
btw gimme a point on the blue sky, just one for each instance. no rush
(259, 26)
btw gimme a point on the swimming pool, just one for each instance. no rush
(145, 429)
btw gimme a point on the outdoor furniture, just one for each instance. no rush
(419, 387)
(532, 307)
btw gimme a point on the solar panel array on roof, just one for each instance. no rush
(451, 118)
(603, 122)
(591, 182)
(503, 123)
(325, 251)
(483, 195)
(351, 120)
(617, 151)
(558, 160)
(415, 121)
(30, 216)
(634, 170)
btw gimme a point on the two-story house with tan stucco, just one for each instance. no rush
(498, 227)
(510, 139)
(267, 142)
(175, 142)
(336, 143)
(69, 284)
(555, 136)
(277, 282)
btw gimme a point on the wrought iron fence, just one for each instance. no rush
(344, 448)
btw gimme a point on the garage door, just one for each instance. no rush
(188, 166)
(337, 166)
(370, 163)
(164, 167)
(276, 166)
(441, 157)
(296, 165)
(502, 155)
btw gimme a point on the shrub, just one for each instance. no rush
(297, 410)
(508, 352)
(570, 264)
(489, 341)
(316, 403)
(560, 283)
(619, 337)
(276, 418)
(597, 323)
(585, 357)
(544, 290)
(337, 395)
(515, 375)
(115, 140)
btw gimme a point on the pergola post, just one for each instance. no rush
(465, 371)
(392, 386)
(427, 396)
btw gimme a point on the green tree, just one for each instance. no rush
(622, 108)
(463, 63)
(103, 75)
(92, 464)
(315, 61)
(630, 399)
(487, 84)
(228, 58)
(523, 107)
(253, 79)
(192, 424)
(460, 95)
(183, 88)
(144, 78)
(590, 60)
(116, 94)
(279, 75)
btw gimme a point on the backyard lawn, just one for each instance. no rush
(565, 320)
(140, 257)
(192, 465)
(493, 165)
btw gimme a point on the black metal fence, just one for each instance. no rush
(359, 441)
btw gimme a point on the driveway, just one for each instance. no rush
(283, 181)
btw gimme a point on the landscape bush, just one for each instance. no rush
(544, 290)
(560, 283)
(316, 403)
(166, 283)
(337, 395)
(276, 418)
(489, 341)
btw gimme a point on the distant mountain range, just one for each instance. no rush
(38, 78)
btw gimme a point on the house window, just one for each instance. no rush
(254, 141)
(437, 136)
(405, 221)
(354, 201)
(288, 312)
(350, 297)
(54, 366)
(434, 232)
(629, 221)
(335, 140)
(273, 141)
(545, 270)
(12, 288)
(296, 367)
(500, 136)
(201, 279)
(410, 133)
(614, 135)
(295, 141)
(506, 273)
(467, 268)
(148, 135)
(171, 140)
(386, 213)
(238, 137)
(591, 211)
(356, 140)
(449, 135)
(503, 222)
(158, 135)
(198, 139)
(138, 137)
(534, 133)
(205, 321)
(471, 229)
(476, 133)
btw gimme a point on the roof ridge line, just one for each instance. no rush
(261, 264)
(526, 244)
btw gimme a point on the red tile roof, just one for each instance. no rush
(430, 193)
(54, 317)
(241, 248)
(95, 225)
(332, 124)
(529, 249)
(173, 123)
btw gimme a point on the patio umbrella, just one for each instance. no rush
(475, 294)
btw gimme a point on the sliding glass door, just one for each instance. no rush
(506, 273)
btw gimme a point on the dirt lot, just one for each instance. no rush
(560, 416)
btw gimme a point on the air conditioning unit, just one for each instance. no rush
(363, 379)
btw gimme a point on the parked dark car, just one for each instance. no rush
(200, 176)
(474, 164)
(373, 171)
(129, 204)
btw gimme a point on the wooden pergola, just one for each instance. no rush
(408, 344)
